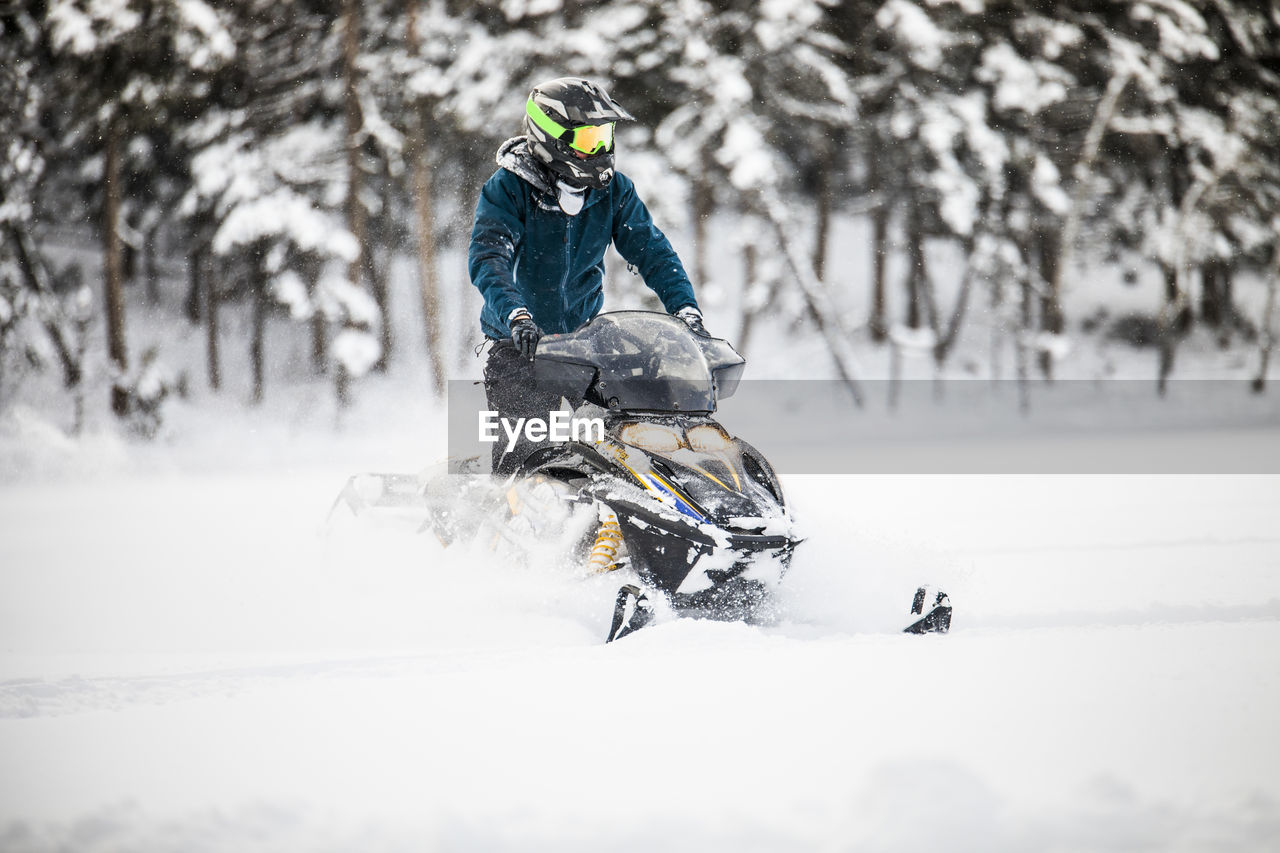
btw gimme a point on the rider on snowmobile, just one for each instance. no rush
(542, 225)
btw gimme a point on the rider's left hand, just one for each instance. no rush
(525, 334)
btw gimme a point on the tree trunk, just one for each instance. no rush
(1179, 311)
(150, 267)
(1266, 334)
(311, 269)
(466, 294)
(879, 257)
(428, 275)
(1025, 324)
(1231, 318)
(192, 304)
(113, 264)
(1051, 318)
(81, 323)
(257, 350)
(213, 361)
(360, 267)
(917, 275)
(1217, 309)
(1210, 295)
(1171, 322)
(1025, 317)
(342, 386)
(319, 344)
(749, 311)
(424, 209)
(822, 223)
(879, 242)
(376, 274)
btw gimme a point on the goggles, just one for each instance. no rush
(589, 138)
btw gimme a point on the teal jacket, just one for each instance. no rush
(526, 252)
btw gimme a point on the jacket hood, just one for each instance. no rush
(514, 156)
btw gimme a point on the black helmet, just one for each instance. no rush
(569, 124)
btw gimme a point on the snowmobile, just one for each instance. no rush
(693, 518)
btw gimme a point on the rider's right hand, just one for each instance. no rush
(524, 333)
(693, 319)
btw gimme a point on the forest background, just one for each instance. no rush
(256, 169)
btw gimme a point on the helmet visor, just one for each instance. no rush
(588, 138)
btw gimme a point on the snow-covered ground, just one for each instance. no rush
(186, 664)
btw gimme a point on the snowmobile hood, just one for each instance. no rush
(726, 486)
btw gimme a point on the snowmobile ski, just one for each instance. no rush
(932, 607)
(631, 612)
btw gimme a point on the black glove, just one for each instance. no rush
(525, 334)
(693, 319)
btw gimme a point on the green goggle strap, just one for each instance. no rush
(544, 121)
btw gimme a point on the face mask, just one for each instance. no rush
(571, 198)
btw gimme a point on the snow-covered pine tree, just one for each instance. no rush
(38, 321)
(754, 94)
(145, 58)
(271, 179)
(931, 160)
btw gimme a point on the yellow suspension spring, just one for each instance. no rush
(608, 541)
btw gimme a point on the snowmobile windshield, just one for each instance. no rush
(640, 361)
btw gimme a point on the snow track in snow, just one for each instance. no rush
(196, 669)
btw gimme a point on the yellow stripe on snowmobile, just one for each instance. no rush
(734, 472)
(649, 486)
(716, 479)
(639, 479)
(672, 491)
